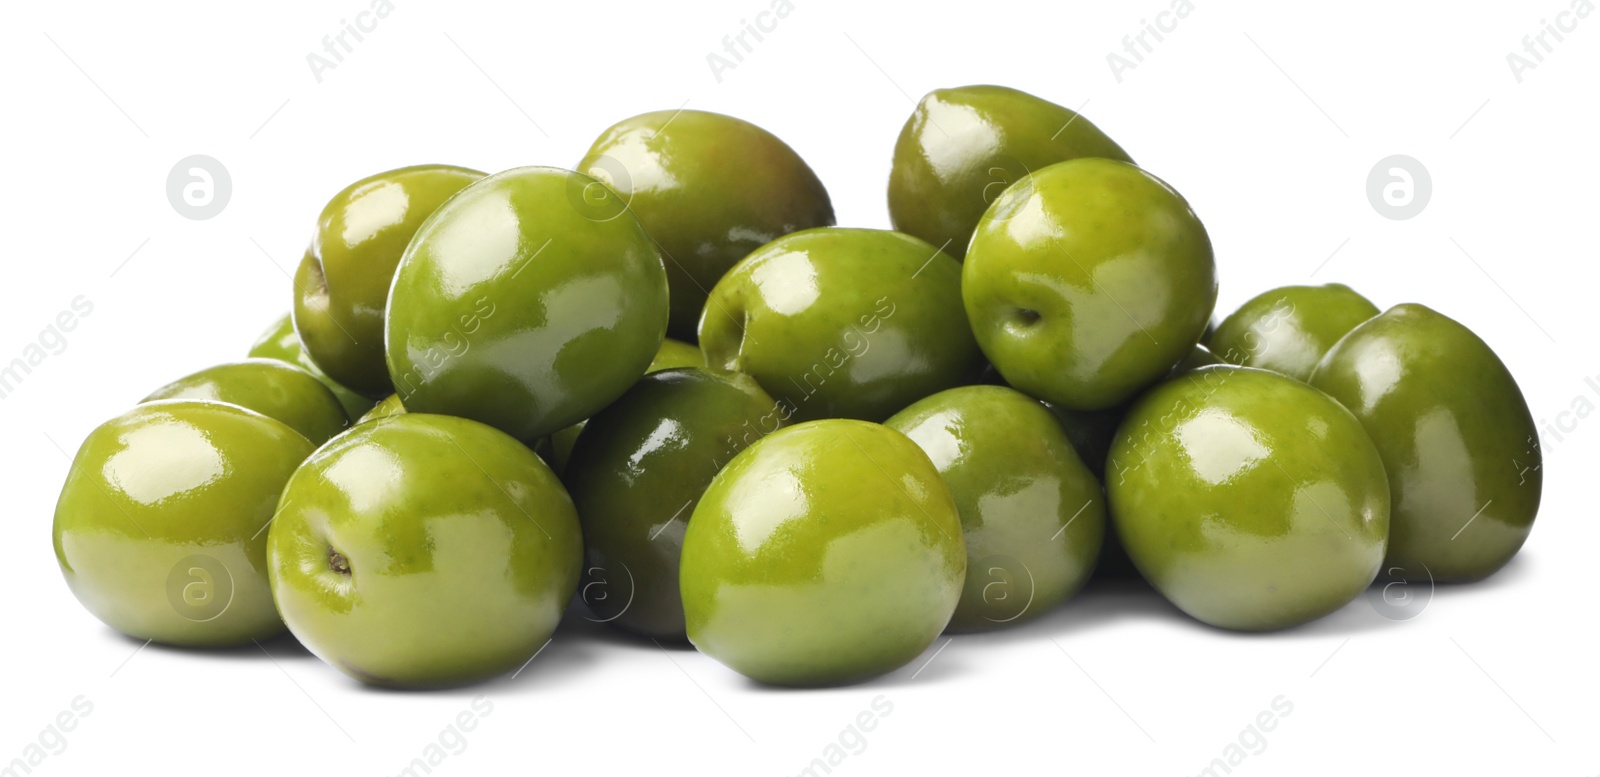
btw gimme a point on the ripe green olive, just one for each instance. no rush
(1249, 499)
(1456, 437)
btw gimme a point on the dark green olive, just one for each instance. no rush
(1456, 437)
(635, 475)
(710, 189)
(342, 285)
(963, 146)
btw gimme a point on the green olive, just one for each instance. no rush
(271, 387)
(342, 284)
(1288, 330)
(962, 147)
(1032, 514)
(161, 527)
(1456, 437)
(1249, 499)
(710, 189)
(826, 553)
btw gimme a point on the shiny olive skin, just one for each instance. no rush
(1456, 437)
(388, 406)
(1249, 499)
(1087, 281)
(826, 553)
(843, 323)
(424, 551)
(271, 387)
(1289, 329)
(673, 353)
(961, 147)
(159, 526)
(280, 342)
(710, 189)
(637, 472)
(1032, 514)
(342, 284)
(1091, 431)
(530, 300)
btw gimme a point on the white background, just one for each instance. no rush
(1267, 116)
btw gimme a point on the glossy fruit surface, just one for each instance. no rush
(388, 406)
(525, 305)
(827, 552)
(710, 189)
(1249, 499)
(673, 353)
(280, 342)
(635, 476)
(160, 526)
(853, 323)
(424, 550)
(1088, 281)
(271, 387)
(1456, 436)
(963, 146)
(1287, 330)
(1032, 514)
(342, 284)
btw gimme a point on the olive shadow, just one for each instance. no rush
(580, 624)
(283, 647)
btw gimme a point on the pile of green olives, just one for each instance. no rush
(666, 388)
